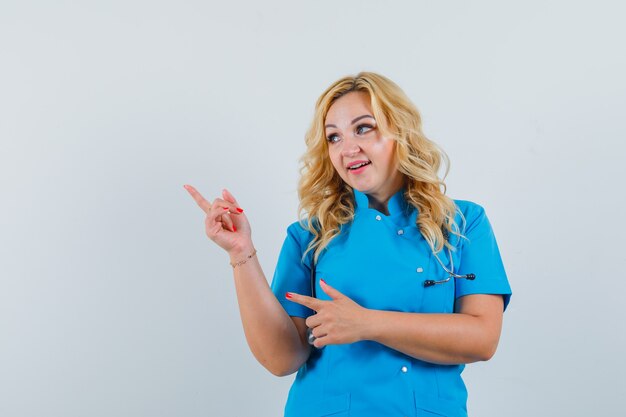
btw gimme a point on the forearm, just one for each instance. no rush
(270, 332)
(436, 338)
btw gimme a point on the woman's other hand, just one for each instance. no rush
(225, 222)
(338, 321)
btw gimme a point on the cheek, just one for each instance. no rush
(384, 153)
(390, 154)
(335, 160)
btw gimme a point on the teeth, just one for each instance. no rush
(359, 165)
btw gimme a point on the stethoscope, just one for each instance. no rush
(427, 283)
(451, 274)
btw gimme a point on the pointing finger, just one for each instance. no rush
(310, 302)
(202, 202)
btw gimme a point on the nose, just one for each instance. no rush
(350, 147)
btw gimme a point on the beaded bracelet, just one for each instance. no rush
(244, 261)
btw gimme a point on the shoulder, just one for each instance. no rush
(299, 238)
(470, 215)
(298, 231)
(469, 208)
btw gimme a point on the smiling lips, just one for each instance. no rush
(357, 164)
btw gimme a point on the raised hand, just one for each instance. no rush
(225, 222)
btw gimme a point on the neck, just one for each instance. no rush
(381, 203)
(378, 205)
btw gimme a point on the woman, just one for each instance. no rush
(410, 284)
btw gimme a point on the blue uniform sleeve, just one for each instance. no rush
(480, 256)
(291, 274)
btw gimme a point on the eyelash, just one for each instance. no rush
(330, 138)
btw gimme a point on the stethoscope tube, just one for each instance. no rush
(309, 331)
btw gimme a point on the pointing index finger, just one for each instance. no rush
(310, 302)
(204, 204)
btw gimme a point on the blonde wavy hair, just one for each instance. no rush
(327, 202)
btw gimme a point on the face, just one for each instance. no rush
(353, 139)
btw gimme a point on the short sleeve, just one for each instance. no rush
(291, 274)
(480, 256)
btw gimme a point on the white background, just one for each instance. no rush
(113, 302)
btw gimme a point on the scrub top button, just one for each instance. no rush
(404, 369)
(420, 269)
(400, 232)
(378, 217)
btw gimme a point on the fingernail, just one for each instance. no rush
(234, 228)
(225, 208)
(322, 280)
(240, 210)
(288, 295)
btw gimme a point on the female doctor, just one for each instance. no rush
(409, 284)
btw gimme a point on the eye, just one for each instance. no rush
(360, 128)
(331, 138)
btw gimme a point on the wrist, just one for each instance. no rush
(368, 331)
(241, 248)
(241, 253)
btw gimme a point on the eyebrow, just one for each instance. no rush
(355, 120)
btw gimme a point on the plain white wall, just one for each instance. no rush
(113, 302)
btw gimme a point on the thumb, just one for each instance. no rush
(330, 291)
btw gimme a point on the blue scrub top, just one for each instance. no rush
(381, 262)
